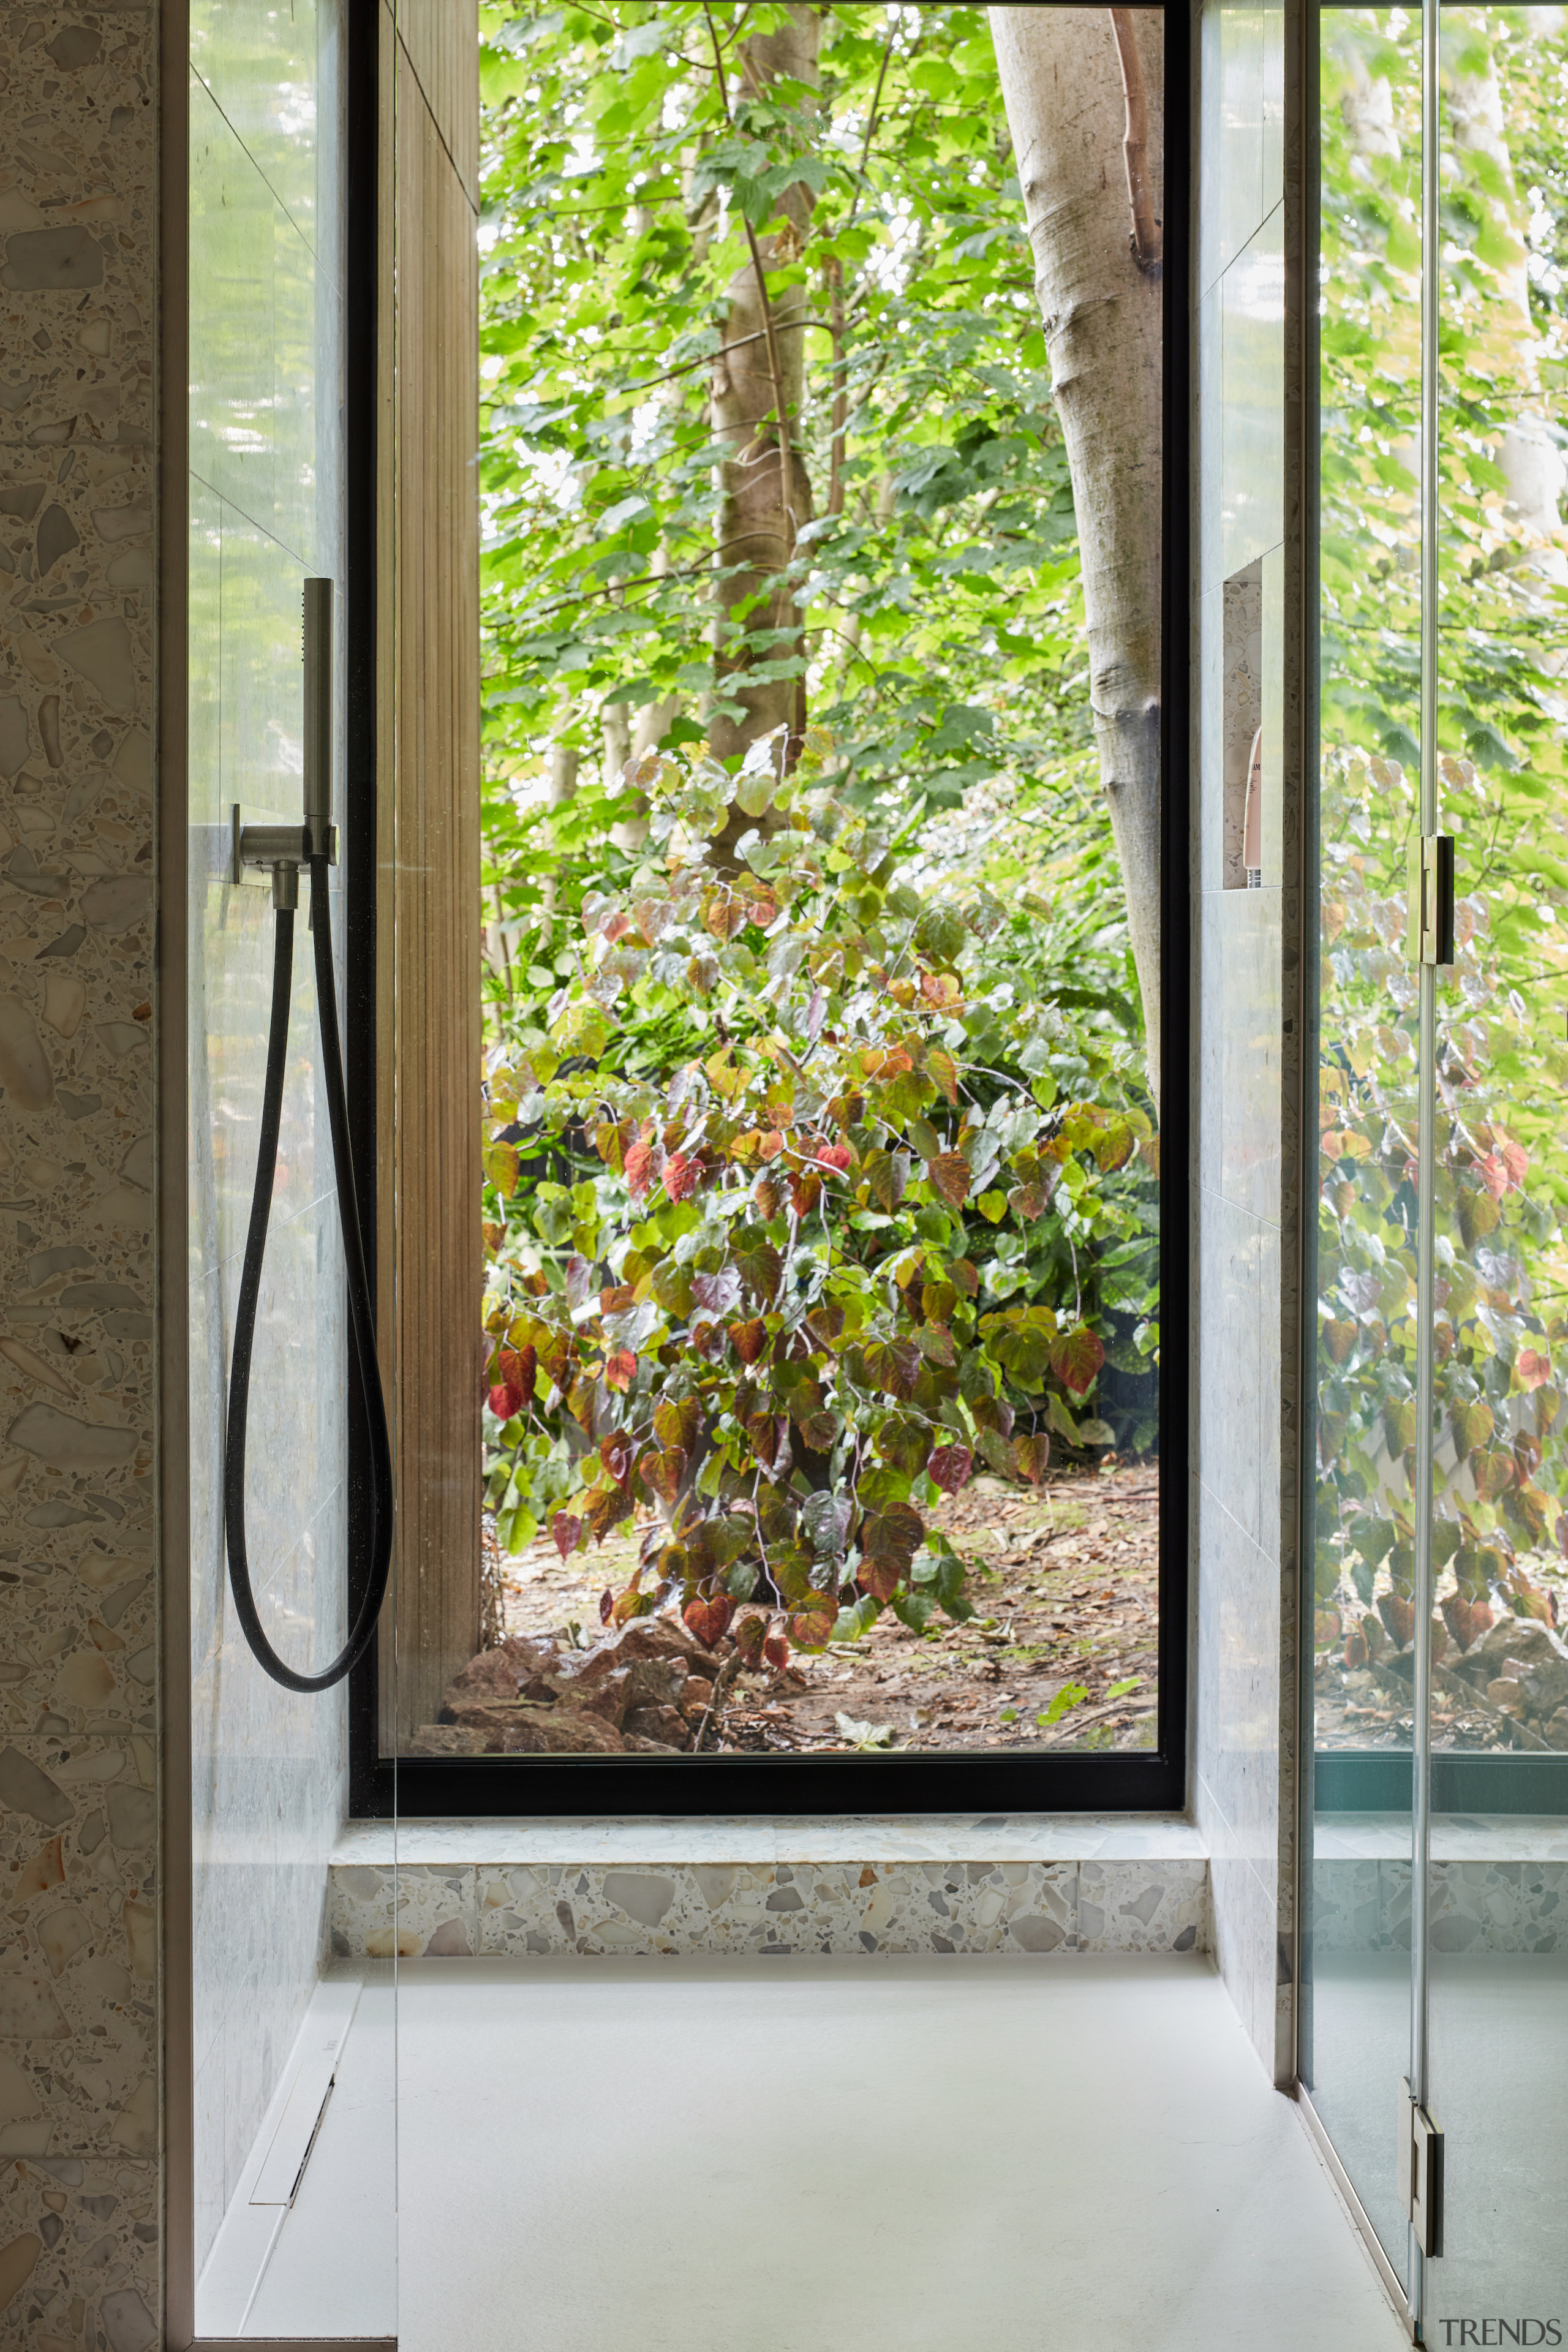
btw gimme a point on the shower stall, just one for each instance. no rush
(1381, 713)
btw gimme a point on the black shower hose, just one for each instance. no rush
(362, 1320)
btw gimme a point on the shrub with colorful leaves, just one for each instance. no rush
(758, 1288)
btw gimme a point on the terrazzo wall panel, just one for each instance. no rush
(79, 2213)
(268, 1765)
(1245, 954)
(517, 1910)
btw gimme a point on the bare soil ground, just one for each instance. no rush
(1063, 1583)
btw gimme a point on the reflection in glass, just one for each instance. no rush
(1356, 1997)
(1498, 1976)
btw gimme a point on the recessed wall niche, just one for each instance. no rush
(1242, 732)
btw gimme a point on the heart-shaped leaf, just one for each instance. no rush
(676, 1422)
(1033, 1455)
(950, 1466)
(708, 1620)
(1076, 1360)
(661, 1474)
(951, 1177)
(881, 1577)
(566, 1532)
(749, 1339)
(607, 1506)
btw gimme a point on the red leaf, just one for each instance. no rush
(749, 1339)
(765, 1434)
(620, 1369)
(750, 1634)
(811, 1628)
(607, 1506)
(775, 1650)
(709, 1620)
(950, 1466)
(880, 1577)
(836, 1155)
(682, 1175)
(1532, 1369)
(615, 1454)
(1399, 1615)
(1466, 1619)
(949, 1177)
(505, 1402)
(566, 1531)
(639, 1168)
(1077, 1359)
(805, 1191)
(606, 1606)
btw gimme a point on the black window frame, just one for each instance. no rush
(959, 1781)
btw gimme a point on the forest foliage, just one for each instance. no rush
(820, 1165)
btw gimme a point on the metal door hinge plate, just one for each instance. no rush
(1429, 904)
(1421, 2172)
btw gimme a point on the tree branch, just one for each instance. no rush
(1147, 241)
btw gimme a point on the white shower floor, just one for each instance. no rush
(807, 2155)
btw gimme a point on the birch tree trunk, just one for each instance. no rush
(759, 381)
(1092, 175)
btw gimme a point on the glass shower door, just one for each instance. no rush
(1362, 1476)
(1435, 1830)
(1497, 1952)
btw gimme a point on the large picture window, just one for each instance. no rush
(832, 861)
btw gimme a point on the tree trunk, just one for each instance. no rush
(759, 381)
(1088, 202)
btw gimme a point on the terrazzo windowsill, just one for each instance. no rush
(727, 1887)
(644, 1842)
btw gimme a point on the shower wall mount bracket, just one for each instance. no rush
(279, 850)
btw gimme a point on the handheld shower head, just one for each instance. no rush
(318, 654)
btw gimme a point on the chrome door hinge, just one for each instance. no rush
(1429, 906)
(1421, 2172)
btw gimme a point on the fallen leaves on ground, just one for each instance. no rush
(1065, 1583)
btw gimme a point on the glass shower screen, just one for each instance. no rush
(1437, 1679)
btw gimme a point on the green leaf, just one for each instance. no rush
(1070, 1695)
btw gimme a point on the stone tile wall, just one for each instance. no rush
(79, 2188)
(1245, 1074)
